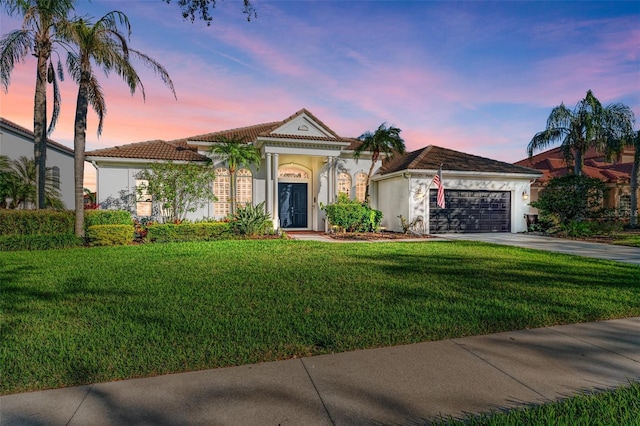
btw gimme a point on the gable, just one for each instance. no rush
(303, 125)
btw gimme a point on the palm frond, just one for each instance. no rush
(56, 102)
(14, 47)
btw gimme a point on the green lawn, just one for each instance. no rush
(91, 315)
(632, 240)
(612, 407)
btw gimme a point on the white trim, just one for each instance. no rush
(118, 160)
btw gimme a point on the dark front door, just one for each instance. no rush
(292, 205)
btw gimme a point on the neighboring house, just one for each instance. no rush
(306, 164)
(615, 174)
(17, 141)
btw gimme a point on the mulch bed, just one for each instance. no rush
(371, 236)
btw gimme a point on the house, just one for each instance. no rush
(17, 141)
(615, 174)
(306, 164)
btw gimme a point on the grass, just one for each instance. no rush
(81, 316)
(612, 407)
(632, 240)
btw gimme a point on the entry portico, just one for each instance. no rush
(300, 157)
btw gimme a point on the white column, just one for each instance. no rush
(330, 190)
(268, 188)
(276, 207)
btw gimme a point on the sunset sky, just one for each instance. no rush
(479, 77)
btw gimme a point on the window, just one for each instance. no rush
(361, 186)
(344, 183)
(244, 187)
(143, 198)
(55, 177)
(624, 205)
(221, 190)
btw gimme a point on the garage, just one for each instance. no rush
(470, 211)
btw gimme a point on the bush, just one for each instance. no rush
(39, 242)
(109, 235)
(202, 231)
(570, 198)
(251, 220)
(352, 216)
(107, 217)
(36, 222)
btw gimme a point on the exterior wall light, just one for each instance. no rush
(525, 196)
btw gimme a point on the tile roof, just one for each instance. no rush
(152, 150)
(247, 134)
(431, 157)
(179, 149)
(552, 164)
(10, 124)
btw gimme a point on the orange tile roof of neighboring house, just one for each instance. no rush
(152, 150)
(29, 133)
(431, 157)
(552, 164)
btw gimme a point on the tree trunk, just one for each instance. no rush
(374, 160)
(40, 125)
(633, 183)
(577, 167)
(232, 190)
(79, 141)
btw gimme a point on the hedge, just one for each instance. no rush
(203, 231)
(39, 242)
(36, 222)
(109, 235)
(107, 217)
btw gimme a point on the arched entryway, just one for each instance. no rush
(294, 185)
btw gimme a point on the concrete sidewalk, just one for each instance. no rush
(408, 384)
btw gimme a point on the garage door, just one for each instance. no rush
(471, 211)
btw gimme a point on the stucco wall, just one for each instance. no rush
(15, 145)
(416, 203)
(392, 199)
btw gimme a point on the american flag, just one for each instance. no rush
(437, 181)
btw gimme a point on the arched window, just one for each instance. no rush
(344, 183)
(244, 187)
(221, 190)
(361, 186)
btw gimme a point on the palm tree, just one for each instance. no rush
(589, 125)
(385, 140)
(37, 36)
(104, 45)
(236, 153)
(20, 180)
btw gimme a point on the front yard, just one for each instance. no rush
(91, 315)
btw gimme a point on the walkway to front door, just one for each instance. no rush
(292, 199)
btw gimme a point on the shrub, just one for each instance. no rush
(570, 198)
(109, 235)
(251, 220)
(202, 231)
(39, 242)
(107, 217)
(352, 216)
(36, 222)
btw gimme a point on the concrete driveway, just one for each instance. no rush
(579, 248)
